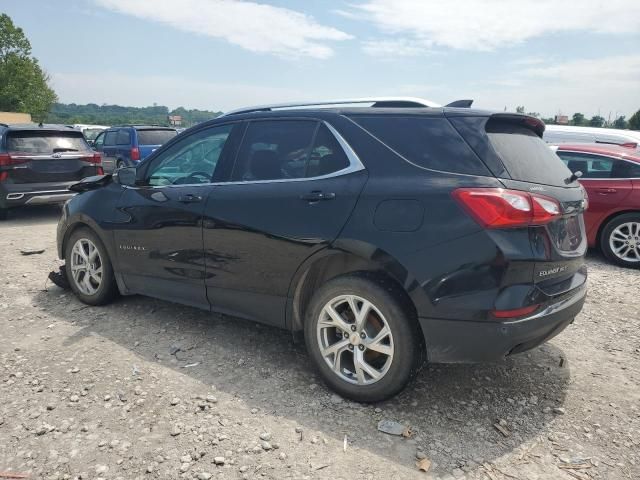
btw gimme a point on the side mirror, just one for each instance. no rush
(126, 176)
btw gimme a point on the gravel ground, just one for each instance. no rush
(145, 389)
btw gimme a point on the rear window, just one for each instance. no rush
(46, 142)
(155, 137)
(525, 156)
(426, 142)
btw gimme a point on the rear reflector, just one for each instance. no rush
(502, 208)
(515, 313)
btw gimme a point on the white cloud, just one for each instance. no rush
(254, 26)
(139, 90)
(608, 84)
(482, 25)
(392, 48)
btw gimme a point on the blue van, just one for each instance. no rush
(127, 145)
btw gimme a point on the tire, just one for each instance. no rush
(120, 165)
(395, 368)
(615, 235)
(90, 291)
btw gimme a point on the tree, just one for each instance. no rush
(520, 109)
(620, 123)
(634, 121)
(596, 121)
(25, 86)
(577, 119)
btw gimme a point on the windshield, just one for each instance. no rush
(155, 137)
(46, 142)
(92, 133)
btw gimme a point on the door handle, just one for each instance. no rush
(190, 198)
(606, 191)
(317, 195)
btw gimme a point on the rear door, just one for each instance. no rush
(159, 247)
(292, 189)
(49, 156)
(601, 178)
(150, 139)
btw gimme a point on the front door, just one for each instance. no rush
(159, 247)
(292, 189)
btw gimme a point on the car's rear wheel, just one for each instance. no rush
(620, 240)
(361, 336)
(89, 269)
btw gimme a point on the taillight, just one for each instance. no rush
(96, 158)
(515, 313)
(502, 208)
(99, 171)
(629, 145)
(5, 159)
(135, 154)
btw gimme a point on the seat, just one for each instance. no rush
(578, 165)
(265, 165)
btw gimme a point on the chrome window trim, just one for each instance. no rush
(355, 165)
(606, 156)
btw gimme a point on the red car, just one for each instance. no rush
(611, 177)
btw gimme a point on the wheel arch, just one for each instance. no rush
(84, 221)
(342, 258)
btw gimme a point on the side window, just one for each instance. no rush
(275, 149)
(425, 141)
(591, 166)
(626, 169)
(123, 138)
(98, 142)
(327, 156)
(110, 138)
(191, 160)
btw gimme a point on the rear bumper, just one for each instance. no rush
(450, 341)
(15, 195)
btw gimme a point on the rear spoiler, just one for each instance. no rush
(532, 123)
(460, 104)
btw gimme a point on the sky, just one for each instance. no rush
(550, 56)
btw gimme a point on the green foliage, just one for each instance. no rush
(578, 119)
(117, 115)
(596, 121)
(620, 123)
(634, 121)
(549, 121)
(24, 84)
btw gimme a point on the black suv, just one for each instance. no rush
(387, 234)
(39, 162)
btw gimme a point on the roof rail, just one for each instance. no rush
(388, 102)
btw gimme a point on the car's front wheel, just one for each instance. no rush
(361, 335)
(89, 269)
(620, 240)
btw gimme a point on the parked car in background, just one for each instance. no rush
(90, 132)
(386, 235)
(558, 134)
(611, 176)
(39, 162)
(127, 145)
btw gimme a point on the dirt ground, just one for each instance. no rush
(144, 389)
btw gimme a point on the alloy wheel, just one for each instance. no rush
(624, 241)
(355, 339)
(86, 266)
